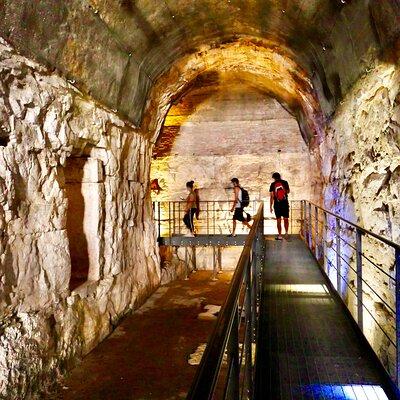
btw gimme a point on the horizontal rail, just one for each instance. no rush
(350, 266)
(359, 228)
(214, 217)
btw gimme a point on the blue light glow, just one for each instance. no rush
(344, 392)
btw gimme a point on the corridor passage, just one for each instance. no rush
(308, 347)
(147, 356)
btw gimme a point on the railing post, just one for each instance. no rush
(253, 282)
(309, 226)
(291, 217)
(338, 258)
(208, 219)
(359, 279)
(249, 333)
(169, 222)
(397, 266)
(179, 218)
(214, 218)
(316, 234)
(214, 275)
(187, 267)
(159, 218)
(233, 390)
(324, 247)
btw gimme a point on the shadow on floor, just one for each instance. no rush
(147, 355)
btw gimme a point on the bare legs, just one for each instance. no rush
(279, 226)
(234, 226)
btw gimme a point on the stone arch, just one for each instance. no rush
(264, 64)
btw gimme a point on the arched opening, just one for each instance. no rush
(224, 127)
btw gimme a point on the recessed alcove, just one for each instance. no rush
(84, 187)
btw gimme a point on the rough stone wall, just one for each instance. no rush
(214, 134)
(361, 169)
(46, 327)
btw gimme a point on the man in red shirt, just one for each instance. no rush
(279, 191)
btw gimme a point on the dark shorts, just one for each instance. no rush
(240, 215)
(281, 209)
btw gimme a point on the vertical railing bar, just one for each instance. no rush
(359, 279)
(309, 225)
(187, 272)
(214, 218)
(173, 218)
(208, 219)
(338, 258)
(233, 390)
(291, 217)
(249, 333)
(324, 241)
(253, 272)
(397, 283)
(214, 275)
(169, 222)
(179, 218)
(316, 251)
(159, 219)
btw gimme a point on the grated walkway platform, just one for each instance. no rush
(308, 346)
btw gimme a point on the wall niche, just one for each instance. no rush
(84, 184)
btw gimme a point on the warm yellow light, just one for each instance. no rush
(299, 288)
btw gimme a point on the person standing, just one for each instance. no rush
(279, 191)
(239, 202)
(190, 208)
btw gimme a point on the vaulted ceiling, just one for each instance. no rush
(116, 50)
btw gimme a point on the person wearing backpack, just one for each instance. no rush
(240, 201)
(279, 191)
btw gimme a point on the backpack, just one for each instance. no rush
(280, 191)
(245, 198)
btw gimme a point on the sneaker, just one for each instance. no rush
(278, 237)
(232, 235)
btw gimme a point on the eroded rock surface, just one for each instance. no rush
(46, 125)
(361, 167)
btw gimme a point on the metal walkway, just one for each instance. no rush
(308, 347)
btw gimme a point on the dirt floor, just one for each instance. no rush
(147, 355)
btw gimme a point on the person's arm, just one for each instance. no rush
(271, 200)
(236, 198)
(287, 188)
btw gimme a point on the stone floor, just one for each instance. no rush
(147, 355)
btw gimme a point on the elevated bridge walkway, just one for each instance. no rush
(307, 318)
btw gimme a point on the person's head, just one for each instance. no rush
(235, 181)
(276, 176)
(189, 185)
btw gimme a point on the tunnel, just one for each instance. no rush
(108, 108)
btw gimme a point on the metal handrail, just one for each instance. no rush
(226, 330)
(358, 227)
(214, 217)
(316, 239)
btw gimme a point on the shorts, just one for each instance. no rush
(281, 209)
(239, 215)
